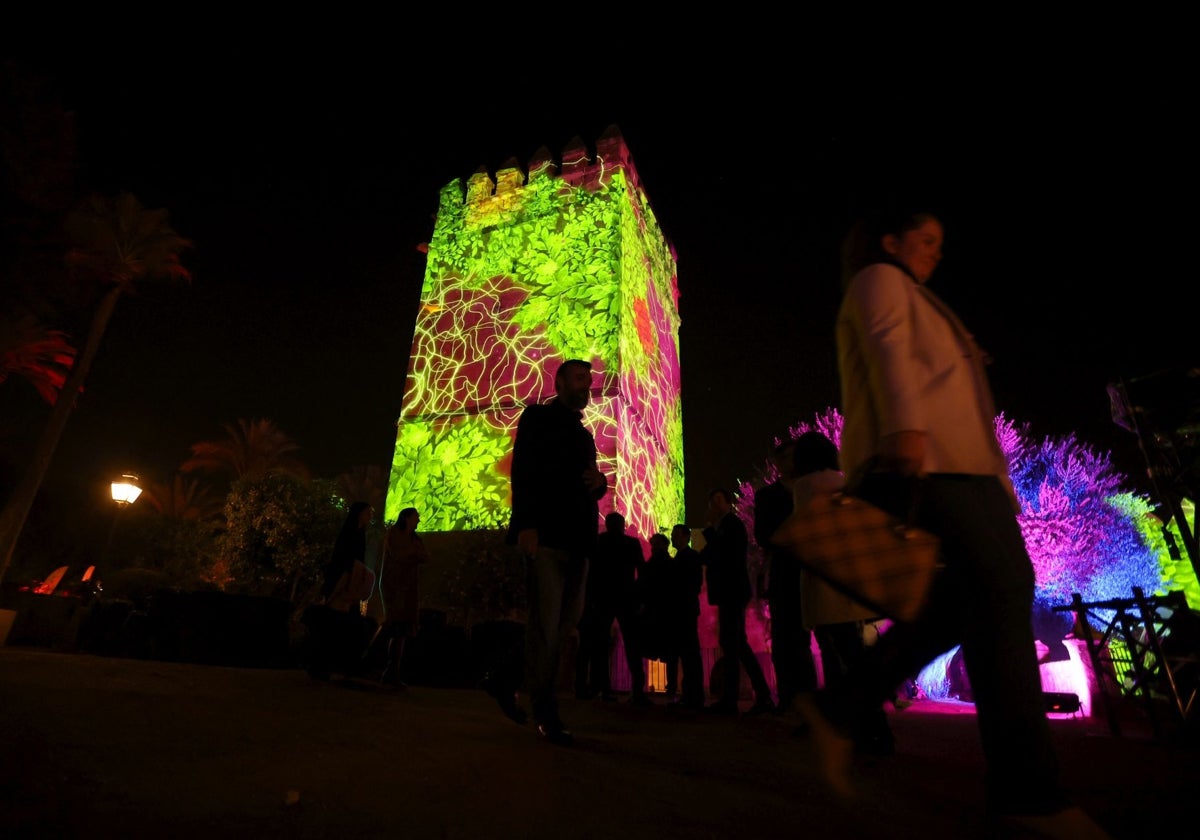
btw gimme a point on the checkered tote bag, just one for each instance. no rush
(863, 551)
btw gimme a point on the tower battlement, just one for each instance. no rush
(577, 166)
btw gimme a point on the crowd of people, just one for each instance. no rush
(917, 440)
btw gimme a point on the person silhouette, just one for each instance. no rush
(339, 632)
(791, 640)
(686, 580)
(404, 553)
(612, 595)
(556, 487)
(835, 619)
(728, 581)
(655, 596)
(919, 418)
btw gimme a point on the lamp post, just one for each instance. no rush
(125, 491)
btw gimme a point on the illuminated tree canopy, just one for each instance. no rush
(1085, 532)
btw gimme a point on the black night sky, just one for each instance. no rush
(306, 189)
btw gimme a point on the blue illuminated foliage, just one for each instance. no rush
(1082, 528)
(1085, 532)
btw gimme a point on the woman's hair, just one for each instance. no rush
(402, 520)
(350, 525)
(863, 243)
(350, 545)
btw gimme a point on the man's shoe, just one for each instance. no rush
(506, 699)
(555, 733)
(640, 699)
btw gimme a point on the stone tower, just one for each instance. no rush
(523, 271)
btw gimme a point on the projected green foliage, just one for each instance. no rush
(517, 280)
(448, 471)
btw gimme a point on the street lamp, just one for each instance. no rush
(125, 491)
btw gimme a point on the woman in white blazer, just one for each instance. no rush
(916, 403)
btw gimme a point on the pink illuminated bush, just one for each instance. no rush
(1085, 532)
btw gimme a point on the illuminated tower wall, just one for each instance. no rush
(521, 273)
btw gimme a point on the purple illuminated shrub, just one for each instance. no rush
(1082, 528)
(1081, 525)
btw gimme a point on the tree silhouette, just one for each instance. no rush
(279, 533)
(253, 449)
(184, 498)
(34, 352)
(366, 482)
(115, 244)
(173, 532)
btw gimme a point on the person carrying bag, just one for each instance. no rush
(338, 631)
(864, 543)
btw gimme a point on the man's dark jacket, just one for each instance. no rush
(616, 565)
(687, 579)
(724, 557)
(551, 451)
(772, 506)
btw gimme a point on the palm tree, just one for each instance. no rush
(185, 499)
(367, 482)
(253, 449)
(32, 351)
(116, 243)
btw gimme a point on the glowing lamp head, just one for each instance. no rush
(125, 490)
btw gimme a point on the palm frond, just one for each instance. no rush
(32, 351)
(253, 448)
(185, 498)
(119, 242)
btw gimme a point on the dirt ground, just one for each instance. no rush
(102, 747)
